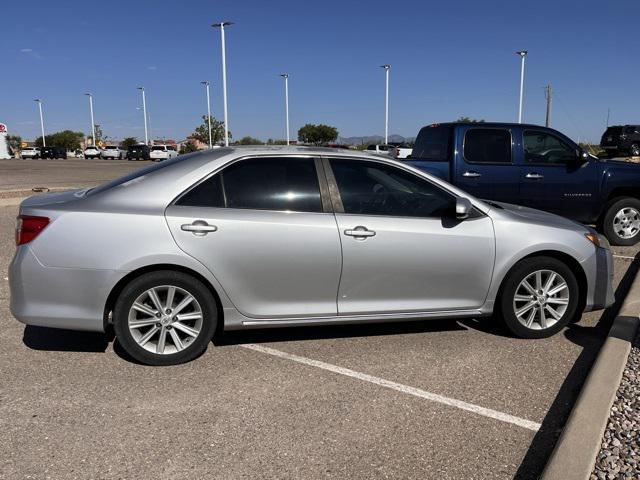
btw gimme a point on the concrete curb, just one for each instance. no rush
(574, 455)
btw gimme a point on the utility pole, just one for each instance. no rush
(144, 112)
(39, 102)
(386, 102)
(221, 26)
(523, 54)
(93, 124)
(548, 92)
(286, 102)
(608, 112)
(206, 84)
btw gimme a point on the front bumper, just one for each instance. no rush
(601, 295)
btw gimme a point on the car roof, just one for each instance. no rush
(488, 124)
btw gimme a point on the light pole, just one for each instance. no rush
(39, 102)
(286, 101)
(523, 54)
(386, 103)
(206, 84)
(221, 26)
(93, 124)
(144, 112)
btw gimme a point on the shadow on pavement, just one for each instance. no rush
(53, 339)
(591, 339)
(291, 334)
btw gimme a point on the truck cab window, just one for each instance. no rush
(546, 149)
(487, 145)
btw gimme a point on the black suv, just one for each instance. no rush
(138, 152)
(621, 139)
(53, 152)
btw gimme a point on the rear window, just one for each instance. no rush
(111, 148)
(433, 144)
(613, 131)
(158, 149)
(487, 145)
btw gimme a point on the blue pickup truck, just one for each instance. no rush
(536, 167)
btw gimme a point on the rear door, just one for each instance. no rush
(403, 250)
(485, 164)
(552, 179)
(259, 225)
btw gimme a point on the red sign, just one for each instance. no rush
(3, 128)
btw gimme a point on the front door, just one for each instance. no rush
(403, 250)
(552, 179)
(260, 228)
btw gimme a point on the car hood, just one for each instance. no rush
(53, 198)
(531, 215)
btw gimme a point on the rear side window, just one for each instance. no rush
(282, 184)
(487, 145)
(631, 129)
(433, 144)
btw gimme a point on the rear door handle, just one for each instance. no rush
(360, 232)
(471, 174)
(198, 228)
(534, 176)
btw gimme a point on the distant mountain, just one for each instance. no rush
(372, 139)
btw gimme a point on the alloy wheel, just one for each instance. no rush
(626, 223)
(165, 319)
(541, 299)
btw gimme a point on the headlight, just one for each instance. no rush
(597, 240)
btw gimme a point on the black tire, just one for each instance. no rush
(511, 282)
(610, 222)
(634, 150)
(183, 281)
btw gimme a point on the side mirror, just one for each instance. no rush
(463, 208)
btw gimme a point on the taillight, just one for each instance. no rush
(29, 227)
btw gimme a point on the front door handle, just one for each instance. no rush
(199, 228)
(471, 174)
(360, 232)
(534, 176)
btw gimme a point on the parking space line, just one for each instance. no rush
(416, 392)
(624, 256)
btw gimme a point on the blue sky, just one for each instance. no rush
(448, 59)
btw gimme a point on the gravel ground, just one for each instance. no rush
(619, 456)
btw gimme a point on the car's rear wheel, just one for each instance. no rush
(539, 297)
(634, 150)
(165, 318)
(621, 223)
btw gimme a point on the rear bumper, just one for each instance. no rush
(58, 297)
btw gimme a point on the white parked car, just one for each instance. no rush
(163, 152)
(379, 149)
(113, 152)
(30, 152)
(400, 151)
(92, 152)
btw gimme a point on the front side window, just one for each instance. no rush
(487, 145)
(630, 130)
(283, 184)
(372, 188)
(546, 149)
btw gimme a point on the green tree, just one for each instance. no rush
(14, 142)
(66, 139)
(188, 147)
(249, 141)
(201, 132)
(469, 120)
(128, 142)
(317, 134)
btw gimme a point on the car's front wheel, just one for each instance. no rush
(165, 318)
(539, 297)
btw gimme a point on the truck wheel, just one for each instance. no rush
(539, 297)
(634, 150)
(621, 222)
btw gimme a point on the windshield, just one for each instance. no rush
(111, 148)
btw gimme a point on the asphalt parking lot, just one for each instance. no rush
(434, 399)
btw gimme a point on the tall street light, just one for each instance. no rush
(144, 112)
(206, 84)
(221, 26)
(386, 103)
(286, 101)
(523, 54)
(39, 102)
(93, 124)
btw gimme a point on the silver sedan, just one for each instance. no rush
(266, 237)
